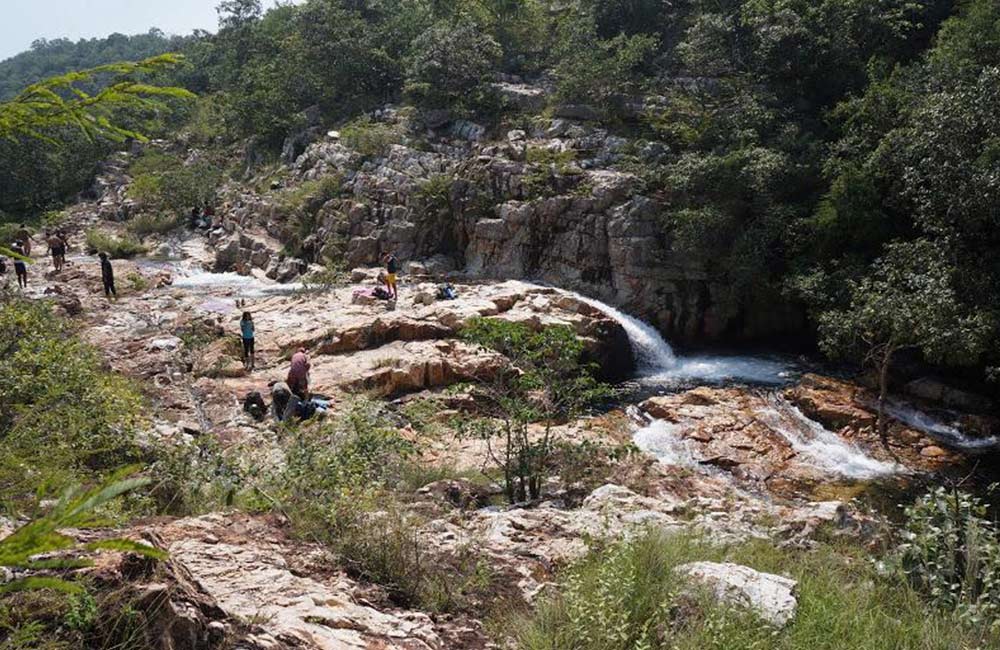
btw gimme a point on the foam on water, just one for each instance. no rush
(820, 447)
(244, 286)
(662, 439)
(721, 369)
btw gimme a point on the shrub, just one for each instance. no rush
(599, 71)
(154, 224)
(545, 382)
(951, 552)
(63, 419)
(117, 248)
(626, 596)
(309, 196)
(369, 138)
(164, 182)
(449, 65)
(337, 488)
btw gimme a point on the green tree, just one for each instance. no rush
(543, 383)
(449, 64)
(907, 302)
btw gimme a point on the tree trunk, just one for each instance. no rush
(883, 392)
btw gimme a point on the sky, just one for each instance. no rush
(27, 20)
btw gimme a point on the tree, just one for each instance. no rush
(543, 383)
(449, 63)
(49, 110)
(907, 302)
(236, 14)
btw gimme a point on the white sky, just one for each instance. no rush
(23, 21)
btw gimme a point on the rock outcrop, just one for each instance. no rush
(769, 596)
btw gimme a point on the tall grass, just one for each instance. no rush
(627, 597)
(117, 248)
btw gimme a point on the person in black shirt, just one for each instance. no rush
(108, 276)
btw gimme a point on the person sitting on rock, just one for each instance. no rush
(20, 266)
(280, 396)
(107, 276)
(298, 374)
(391, 270)
(247, 333)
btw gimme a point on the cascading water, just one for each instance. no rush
(653, 353)
(241, 286)
(820, 447)
(657, 363)
(944, 432)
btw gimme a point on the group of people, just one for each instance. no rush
(57, 241)
(292, 397)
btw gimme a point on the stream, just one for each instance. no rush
(660, 369)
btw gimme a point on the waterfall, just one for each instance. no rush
(653, 353)
(657, 363)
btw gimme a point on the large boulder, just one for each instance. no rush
(771, 597)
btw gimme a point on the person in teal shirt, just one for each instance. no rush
(247, 332)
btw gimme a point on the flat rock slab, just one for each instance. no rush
(769, 596)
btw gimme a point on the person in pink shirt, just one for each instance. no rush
(298, 374)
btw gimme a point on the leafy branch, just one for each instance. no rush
(62, 102)
(76, 509)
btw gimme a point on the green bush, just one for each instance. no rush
(154, 224)
(545, 382)
(162, 182)
(338, 487)
(449, 65)
(117, 248)
(371, 139)
(63, 419)
(309, 196)
(951, 553)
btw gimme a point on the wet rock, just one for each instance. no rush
(769, 596)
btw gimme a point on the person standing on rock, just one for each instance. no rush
(391, 270)
(247, 332)
(20, 266)
(108, 276)
(57, 248)
(24, 239)
(298, 374)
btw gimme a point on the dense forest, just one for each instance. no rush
(811, 147)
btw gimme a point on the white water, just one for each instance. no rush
(947, 433)
(653, 354)
(663, 440)
(819, 447)
(241, 285)
(657, 363)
